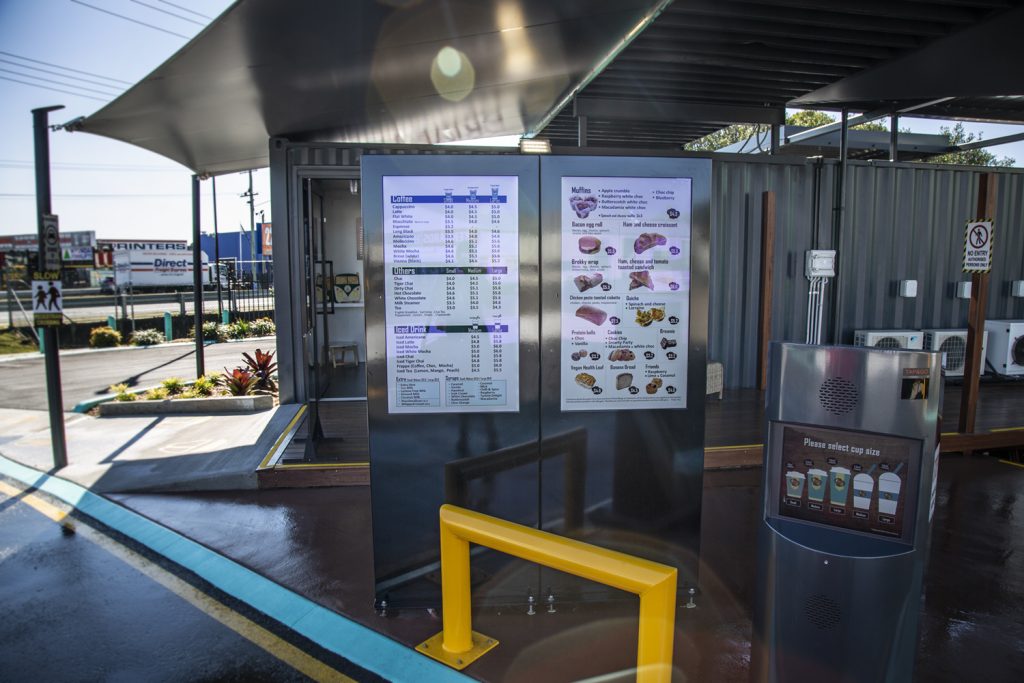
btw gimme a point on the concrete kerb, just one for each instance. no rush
(358, 644)
(80, 352)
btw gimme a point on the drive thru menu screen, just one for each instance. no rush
(854, 480)
(451, 283)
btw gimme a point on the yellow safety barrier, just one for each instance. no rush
(458, 645)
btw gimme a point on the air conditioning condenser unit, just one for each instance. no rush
(1006, 346)
(888, 339)
(952, 344)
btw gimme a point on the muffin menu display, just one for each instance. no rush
(625, 292)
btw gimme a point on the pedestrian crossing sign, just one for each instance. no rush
(47, 299)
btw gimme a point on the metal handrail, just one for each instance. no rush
(458, 645)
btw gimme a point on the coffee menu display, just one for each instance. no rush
(625, 292)
(852, 480)
(451, 286)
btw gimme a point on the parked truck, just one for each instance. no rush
(157, 269)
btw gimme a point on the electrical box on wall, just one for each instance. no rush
(908, 288)
(820, 263)
(1017, 288)
(963, 290)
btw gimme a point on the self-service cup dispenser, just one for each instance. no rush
(851, 456)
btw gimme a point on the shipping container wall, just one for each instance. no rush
(901, 222)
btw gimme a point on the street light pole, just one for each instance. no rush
(49, 339)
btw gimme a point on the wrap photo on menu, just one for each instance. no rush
(625, 292)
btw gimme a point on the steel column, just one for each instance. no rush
(49, 339)
(197, 279)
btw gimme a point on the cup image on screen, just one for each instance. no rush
(839, 485)
(795, 484)
(816, 484)
(863, 487)
(888, 493)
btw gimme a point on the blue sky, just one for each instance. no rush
(112, 187)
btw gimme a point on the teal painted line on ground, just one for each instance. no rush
(358, 644)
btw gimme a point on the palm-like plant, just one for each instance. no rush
(239, 382)
(263, 366)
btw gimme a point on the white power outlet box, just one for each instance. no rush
(908, 288)
(1017, 288)
(820, 263)
(963, 290)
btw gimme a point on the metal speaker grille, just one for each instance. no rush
(1018, 351)
(888, 343)
(838, 396)
(954, 353)
(822, 611)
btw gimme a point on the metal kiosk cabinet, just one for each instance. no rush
(851, 457)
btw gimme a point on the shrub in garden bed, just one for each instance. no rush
(146, 337)
(104, 337)
(262, 327)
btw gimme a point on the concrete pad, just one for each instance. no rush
(154, 453)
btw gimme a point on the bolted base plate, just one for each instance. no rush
(433, 648)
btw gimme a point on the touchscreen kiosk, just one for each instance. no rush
(849, 490)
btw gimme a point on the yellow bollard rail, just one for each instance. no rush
(458, 645)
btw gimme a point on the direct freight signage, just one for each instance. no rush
(978, 247)
(451, 264)
(625, 292)
(47, 299)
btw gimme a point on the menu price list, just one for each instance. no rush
(625, 292)
(452, 293)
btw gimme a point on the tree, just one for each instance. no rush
(971, 157)
(740, 132)
(812, 119)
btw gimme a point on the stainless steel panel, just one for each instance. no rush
(835, 603)
(410, 453)
(642, 470)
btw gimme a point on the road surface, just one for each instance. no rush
(88, 375)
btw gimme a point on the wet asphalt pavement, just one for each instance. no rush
(73, 611)
(317, 542)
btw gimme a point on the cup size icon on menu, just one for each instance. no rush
(816, 480)
(863, 488)
(839, 485)
(795, 484)
(888, 493)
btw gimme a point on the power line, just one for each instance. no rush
(107, 168)
(50, 80)
(186, 9)
(46, 87)
(134, 21)
(57, 73)
(26, 195)
(176, 16)
(65, 68)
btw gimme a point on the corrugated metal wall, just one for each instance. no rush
(902, 222)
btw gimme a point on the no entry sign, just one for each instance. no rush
(978, 247)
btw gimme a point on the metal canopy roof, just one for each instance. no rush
(639, 74)
(367, 71)
(744, 61)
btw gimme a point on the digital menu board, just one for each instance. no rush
(451, 286)
(625, 292)
(857, 481)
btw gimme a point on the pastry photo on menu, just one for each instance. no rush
(648, 240)
(583, 205)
